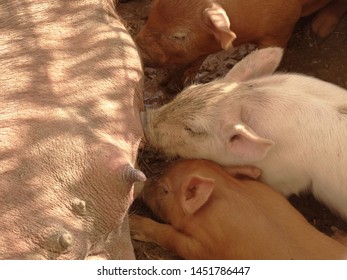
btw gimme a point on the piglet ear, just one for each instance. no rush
(245, 145)
(243, 171)
(218, 21)
(196, 192)
(257, 64)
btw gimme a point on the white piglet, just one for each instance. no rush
(293, 127)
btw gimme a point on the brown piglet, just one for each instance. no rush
(212, 212)
(180, 32)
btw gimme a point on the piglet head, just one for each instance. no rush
(178, 193)
(187, 186)
(204, 121)
(180, 32)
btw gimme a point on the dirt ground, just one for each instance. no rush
(325, 59)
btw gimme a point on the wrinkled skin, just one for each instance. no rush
(71, 92)
(292, 127)
(212, 214)
(180, 32)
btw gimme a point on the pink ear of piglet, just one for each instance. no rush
(257, 64)
(245, 144)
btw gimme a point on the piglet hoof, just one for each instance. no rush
(324, 25)
(139, 226)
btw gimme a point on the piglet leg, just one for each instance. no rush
(148, 230)
(327, 19)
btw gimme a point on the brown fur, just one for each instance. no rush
(237, 219)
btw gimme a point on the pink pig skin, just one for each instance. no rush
(70, 95)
